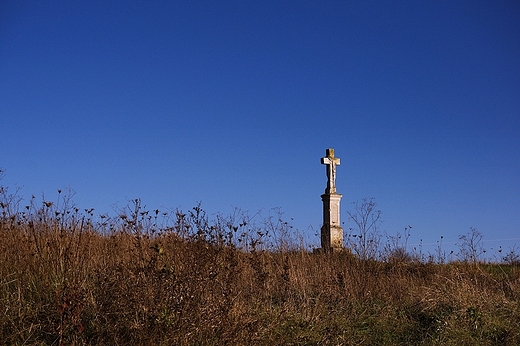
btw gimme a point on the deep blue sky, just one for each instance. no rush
(233, 104)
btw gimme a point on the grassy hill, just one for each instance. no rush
(153, 278)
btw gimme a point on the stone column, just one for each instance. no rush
(331, 230)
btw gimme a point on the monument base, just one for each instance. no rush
(330, 250)
(331, 231)
(331, 238)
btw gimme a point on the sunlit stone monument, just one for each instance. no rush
(331, 231)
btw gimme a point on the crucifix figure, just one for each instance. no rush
(331, 163)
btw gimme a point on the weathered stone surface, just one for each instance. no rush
(331, 163)
(331, 230)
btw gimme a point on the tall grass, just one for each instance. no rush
(178, 278)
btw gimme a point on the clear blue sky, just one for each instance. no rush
(233, 103)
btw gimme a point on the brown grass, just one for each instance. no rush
(69, 280)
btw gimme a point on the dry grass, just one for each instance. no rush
(69, 280)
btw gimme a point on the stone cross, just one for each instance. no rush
(331, 230)
(331, 163)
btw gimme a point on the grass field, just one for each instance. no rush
(153, 278)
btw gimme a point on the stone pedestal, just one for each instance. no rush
(331, 231)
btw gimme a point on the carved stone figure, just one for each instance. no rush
(331, 163)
